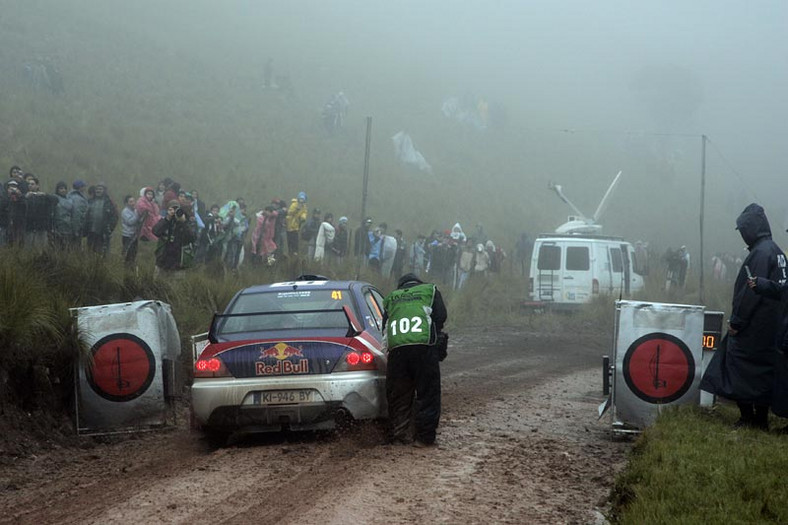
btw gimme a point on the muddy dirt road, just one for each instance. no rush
(518, 443)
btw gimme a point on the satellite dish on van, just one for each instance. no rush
(580, 223)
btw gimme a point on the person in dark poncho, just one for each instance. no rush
(777, 289)
(743, 370)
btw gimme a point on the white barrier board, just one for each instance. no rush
(658, 360)
(132, 351)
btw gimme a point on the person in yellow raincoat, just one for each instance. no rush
(296, 216)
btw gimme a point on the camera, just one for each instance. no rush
(179, 213)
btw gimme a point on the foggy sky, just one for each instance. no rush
(575, 64)
(589, 87)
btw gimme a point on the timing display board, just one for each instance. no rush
(712, 330)
(713, 323)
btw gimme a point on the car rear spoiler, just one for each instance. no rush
(354, 326)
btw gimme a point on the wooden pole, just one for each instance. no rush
(701, 258)
(364, 192)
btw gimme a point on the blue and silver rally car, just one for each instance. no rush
(300, 355)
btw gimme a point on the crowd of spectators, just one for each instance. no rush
(187, 232)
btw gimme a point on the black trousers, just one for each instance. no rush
(755, 414)
(292, 242)
(130, 250)
(413, 371)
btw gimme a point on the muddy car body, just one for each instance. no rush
(300, 355)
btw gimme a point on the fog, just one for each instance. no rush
(579, 90)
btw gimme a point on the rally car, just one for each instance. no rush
(299, 355)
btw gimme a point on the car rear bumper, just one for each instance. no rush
(224, 403)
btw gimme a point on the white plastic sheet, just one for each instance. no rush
(408, 154)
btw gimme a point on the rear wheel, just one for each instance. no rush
(215, 438)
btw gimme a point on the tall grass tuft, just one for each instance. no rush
(32, 332)
(141, 284)
(27, 315)
(693, 467)
(716, 294)
(494, 300)
(83, 277)
(197, 297)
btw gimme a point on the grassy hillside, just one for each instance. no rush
(153, 91)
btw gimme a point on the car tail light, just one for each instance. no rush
(595, 286)
(210, 367)
(354, 360)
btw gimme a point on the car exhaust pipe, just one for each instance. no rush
(343, 420)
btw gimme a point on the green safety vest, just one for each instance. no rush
(408, 311)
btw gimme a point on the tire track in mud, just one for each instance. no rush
(260, 480)
(533, 456)
(68, 485)
(516, 445)
(300, 493)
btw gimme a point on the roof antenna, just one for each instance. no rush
(580, 223)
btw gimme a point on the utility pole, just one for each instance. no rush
(701, 259)
(364, 192)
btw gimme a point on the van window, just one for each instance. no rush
(549, 258)
(639, 261)
(577, 258)
(615, 260)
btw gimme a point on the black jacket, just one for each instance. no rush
(777, 290)
(744, 371)
(101, 216)
(780, 393)
(40, 212)
(361, 244)
(339, 246)
(173, 236)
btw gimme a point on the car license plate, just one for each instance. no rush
(283, 397)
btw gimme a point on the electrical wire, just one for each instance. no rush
(725, 160)
(734, 171)
(613, 132)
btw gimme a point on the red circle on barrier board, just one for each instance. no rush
(123, 367)
(659, 368)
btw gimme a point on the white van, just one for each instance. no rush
(571, 269)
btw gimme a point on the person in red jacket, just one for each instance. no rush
(148, 210)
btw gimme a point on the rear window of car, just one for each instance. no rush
(289, 300)
(549, 257)
(288, 309)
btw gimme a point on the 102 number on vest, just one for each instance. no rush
(409, 320)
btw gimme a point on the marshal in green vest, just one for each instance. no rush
(408, 311)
